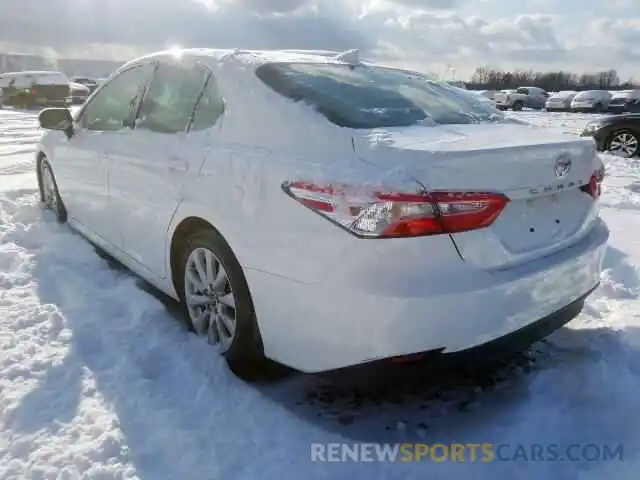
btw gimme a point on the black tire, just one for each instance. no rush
(598, 108)
(623, 131)
(58, 206)
(245, 356)
(517, 106)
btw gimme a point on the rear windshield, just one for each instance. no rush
(627, 94)
(588, 94)
(374, 97)
(563, 94)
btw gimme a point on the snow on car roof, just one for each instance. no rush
(44, 77)
(254, 57)
(31, 72)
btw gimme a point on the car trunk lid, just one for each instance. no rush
(538, 169)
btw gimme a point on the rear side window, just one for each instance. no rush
(367, 97)
(23, 81)
(172, 96)
(210, 107)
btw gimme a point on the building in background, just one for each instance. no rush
(16, 62)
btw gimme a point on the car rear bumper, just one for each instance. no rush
(371, 315)
(583, 107)
(557, 108)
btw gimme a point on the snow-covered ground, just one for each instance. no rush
(98, 380)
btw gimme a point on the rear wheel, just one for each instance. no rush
(217, 303)
(49, 195)
(624, 143)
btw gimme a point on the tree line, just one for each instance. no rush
(485, 78)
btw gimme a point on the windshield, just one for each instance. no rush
(375, 97)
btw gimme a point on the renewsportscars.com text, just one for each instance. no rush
(466, 452)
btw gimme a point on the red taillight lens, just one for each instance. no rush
(594, 187)
(374, 214)
(34, 92)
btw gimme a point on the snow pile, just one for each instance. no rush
(98, 380)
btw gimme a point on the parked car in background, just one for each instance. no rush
(458, 83)
(484, 96)
(34, 89)
(618, 134)
(90, 83)
(560, 101)
(490, 94)
(159, 168)
(78, 93)
(625, 101)
(591, 101)
(529, 97)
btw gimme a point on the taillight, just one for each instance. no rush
(594, 187)
(34, 92)
(375, 214)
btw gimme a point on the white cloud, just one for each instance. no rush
(426, 34)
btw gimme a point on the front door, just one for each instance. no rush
(81, 163)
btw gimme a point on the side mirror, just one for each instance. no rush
(57, 119)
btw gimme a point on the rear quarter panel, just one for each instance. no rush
(265, 140)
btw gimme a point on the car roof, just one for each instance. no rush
(253, 58)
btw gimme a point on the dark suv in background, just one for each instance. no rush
(34, 89)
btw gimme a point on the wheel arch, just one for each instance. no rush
(40, 156)
(184, 228)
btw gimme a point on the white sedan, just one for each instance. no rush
(323, 212)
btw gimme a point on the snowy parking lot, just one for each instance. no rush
(99, 381)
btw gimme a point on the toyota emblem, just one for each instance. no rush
(563, 165)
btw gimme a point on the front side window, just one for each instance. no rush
(114, 106)
(171, 99)
(374, 97)
(523, 91)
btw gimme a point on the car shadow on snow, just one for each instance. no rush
(181, 414)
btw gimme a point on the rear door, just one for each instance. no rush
(150, 172)
(19, 90)
(51, 89)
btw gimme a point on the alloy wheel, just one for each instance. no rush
(624, 144)
(209, 298)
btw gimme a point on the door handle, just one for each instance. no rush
(178, 164)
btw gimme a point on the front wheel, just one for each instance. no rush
(517, 106)
(624, 143)
(217, 303)
(49, 194)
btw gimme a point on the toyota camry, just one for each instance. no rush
(323, 212)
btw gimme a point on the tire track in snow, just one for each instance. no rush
(19, 133)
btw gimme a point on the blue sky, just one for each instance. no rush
(429, 35)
